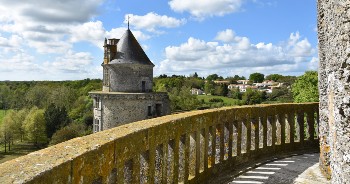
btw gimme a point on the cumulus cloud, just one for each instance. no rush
(239, 54)
(151, 21)
(226, 36)
(72, 62)
(206, 8)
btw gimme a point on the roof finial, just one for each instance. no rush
(128, 21)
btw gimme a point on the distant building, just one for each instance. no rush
(195, 91)
(242, 81)
(221, 82)
(127, 86)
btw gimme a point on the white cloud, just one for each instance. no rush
(240, 54)
(151, 21)
(72, 62)
(206, 8)
(45, 25)
(226, 36)
(313, 64)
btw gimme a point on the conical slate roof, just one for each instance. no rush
(130, 51)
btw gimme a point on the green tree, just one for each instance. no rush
(214, 77)
(18, 119)
(38, 96)
(183, 99)
(4, 97)
(282, 94)
(66, 133)
(63, 97)
(236, 94)
(55, 118)
(221, 90)
(209, 87)
(251, 97)
(305, 88)
(7, 130)
(256, 77)
(34, 126)
(274, 77)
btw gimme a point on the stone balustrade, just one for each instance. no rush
(189, 147)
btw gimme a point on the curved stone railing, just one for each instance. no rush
(188, 147)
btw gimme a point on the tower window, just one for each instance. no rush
(143, 86)
(159, 110)
(149, 111)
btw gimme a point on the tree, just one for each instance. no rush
(66, 133)
(37, 96)
(221, 90)
(7, 130)
(63, 97)
(256, 77)
(209, 87)
(183, 99)
(34, 126)
(281, 94)
(55, 118)
(305, 88)
(214, 77)
(274, 77)
(19, 118)
(4, 97)
(236, 94)
(251, 97)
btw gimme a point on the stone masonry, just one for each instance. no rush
(334, 81)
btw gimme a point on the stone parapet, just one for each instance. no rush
(189, 147)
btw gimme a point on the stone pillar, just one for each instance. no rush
(334, 80)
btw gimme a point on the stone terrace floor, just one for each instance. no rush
(296, 168)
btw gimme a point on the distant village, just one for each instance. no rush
(266, 86)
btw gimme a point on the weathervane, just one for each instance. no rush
(128, 21)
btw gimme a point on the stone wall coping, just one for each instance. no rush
(52, 161)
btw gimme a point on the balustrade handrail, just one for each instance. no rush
(187, 147)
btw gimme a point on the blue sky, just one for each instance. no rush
(62, 40)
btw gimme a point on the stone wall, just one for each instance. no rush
(334, 80)
(129, 77)
(188, 147)
(122, 108)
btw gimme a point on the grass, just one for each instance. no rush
(18, 149)
(227, 101)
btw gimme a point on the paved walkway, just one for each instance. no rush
(294, 169)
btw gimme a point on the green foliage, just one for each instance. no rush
(287, 80)
(34, 126)
(66, 133)
(305, 88)
(38, 96)
(2, 115)
(214, 77)
(7, 130)
(62, 96)
(55, 118)
(282, 94)
(226, 101)
(256, 77)
(274, 77)
(236, 94)
(221, 90)
(182, 99)
(251, 97)
(216, 100)
(209, 87)
(4, 97)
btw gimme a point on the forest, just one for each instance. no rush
(38, 114)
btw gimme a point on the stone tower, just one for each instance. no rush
(127, 86)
